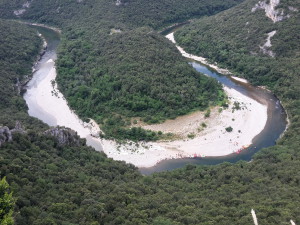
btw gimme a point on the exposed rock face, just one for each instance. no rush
(5, 135)
(65, 136)
(18, 128)
(21, 11)
(274, 14)
(267, 45)
(118, 2)
(115, 31)
(293, 9)
(121, 2)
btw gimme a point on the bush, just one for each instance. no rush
(228, 129)
(191, 135)
(207, 114)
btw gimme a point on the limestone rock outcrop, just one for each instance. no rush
(5, 135)
(274, 14)
(65, 136)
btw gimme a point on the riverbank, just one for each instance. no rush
(201, 136)
(213, 140)
(40, 25)
(197, 58)
(196, 139)
(50, 100)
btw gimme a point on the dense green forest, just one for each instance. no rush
(73, 184)
(123, 80)
(15, 67)
(235, 44)
(6, 203)
(113, 66)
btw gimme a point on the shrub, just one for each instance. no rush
(228, 129)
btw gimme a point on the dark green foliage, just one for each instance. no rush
(135, 73)
(228, 129)
(207, 113)
(128, 84)
(76, 185)
(155, 13)
(6, 203)
(235, 44)
(17, 52)
(62, 181)
(134, 133)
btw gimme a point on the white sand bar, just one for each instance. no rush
(213, 140)
(51, 104)
(239, 79)
(197, 58)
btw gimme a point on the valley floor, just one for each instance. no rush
(195, 138)
(212, 140)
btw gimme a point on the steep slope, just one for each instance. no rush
(106, 59)
(15, 67)
(258, 40)
(72, 184)
(31, 154)
(247, 40)
(243, 45)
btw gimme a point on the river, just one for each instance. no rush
(275, 125)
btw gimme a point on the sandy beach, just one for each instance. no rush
(195, 139)
(213, 140)
(239, 79)
(51, 101)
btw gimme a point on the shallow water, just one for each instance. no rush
(275, 125)
(276, 122)
(42, 70)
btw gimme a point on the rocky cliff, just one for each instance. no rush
(65, 136)
(6, 134)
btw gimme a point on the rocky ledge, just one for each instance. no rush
(65, 136)
(6, 135)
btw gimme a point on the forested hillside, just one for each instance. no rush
(16, 66)
(136, 13)
(239, 43)
(113, 64)
(73, 184)
(7, 203)
(239, 46)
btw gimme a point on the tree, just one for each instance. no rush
(6, 204)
